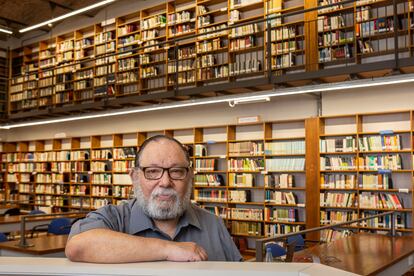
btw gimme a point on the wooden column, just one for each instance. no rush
(311, 36)
(312, 176)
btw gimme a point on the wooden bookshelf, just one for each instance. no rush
(93, 171)
(164, 48)
(375, 183)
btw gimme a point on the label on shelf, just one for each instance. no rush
(222, 156)
(386, 132)
(33, 173)
(211, 142)
(301, 204)
(90, 172)
(263, 172)
(382, 171)
(403, 191)
(223, 9)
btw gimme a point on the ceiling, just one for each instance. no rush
(17, 14)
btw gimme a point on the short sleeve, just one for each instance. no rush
(230, 249)
(108, 217)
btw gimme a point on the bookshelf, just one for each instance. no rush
(153, 60)
(128, 39)
(262, 178)
(84, 58)
(366, 167)
(122, 56)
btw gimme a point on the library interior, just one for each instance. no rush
(297, 117)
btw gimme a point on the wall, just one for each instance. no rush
(378, 99)
(218, 114)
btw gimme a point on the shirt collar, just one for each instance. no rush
(139, 221)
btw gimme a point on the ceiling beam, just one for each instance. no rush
(66, 7)
(8, 20)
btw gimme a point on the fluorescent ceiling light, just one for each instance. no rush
(6, 31)
(82, 10)
(247, 100)
(257, 96)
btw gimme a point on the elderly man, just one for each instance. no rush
(160, 223)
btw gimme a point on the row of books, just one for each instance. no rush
(122, 191)
(380, 25)
(277, 197)
(243, 213)
(130, 28)
(338, 181)
(281, 215)
(383, 201)
(376, 181)
(334, 163)
(383, 162)
(380, 143)
(239, 196)
(123, 166)
(156, 21)
(335, 38)
(241, 180)
(291, 147)
(245, 148)
(283, 180)
(102, 154)
(246, 228)
(205, 164)
(244, 67)
(245, 164)
(212, 196)
(346, 144)
(400, 220)
(333, 217)
(329, 23)
(285, 164)
(337, 199)
(208, 180)
(277, 229)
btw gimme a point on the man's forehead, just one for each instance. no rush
(163, 148)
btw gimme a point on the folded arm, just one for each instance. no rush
(107, 246)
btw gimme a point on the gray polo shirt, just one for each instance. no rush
(196, 225)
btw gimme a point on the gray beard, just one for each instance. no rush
(164, 210)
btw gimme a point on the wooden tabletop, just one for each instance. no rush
(42, 245)
(14, 219)
(364, 254)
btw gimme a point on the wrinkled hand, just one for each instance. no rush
(185, 252)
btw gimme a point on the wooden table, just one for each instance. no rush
(12, 223)
(365, 254)
(44, 246)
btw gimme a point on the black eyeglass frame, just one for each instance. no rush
(143, 169)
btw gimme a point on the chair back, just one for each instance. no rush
(298, 241)
(3, 237)
(59, 226)
(12, 212)
(276, 249)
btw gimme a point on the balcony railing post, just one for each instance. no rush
(396, 28)
(269, 49)
(392, 218)
(176, 69)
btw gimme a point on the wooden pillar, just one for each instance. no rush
(312, 176)
(311, 36)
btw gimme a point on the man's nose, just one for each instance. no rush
(165, 180)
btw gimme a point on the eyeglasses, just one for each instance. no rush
(155, 173)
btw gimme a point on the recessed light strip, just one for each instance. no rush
(257, 96)
(82, 10)
(5, 31)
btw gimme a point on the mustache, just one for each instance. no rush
(164, 192)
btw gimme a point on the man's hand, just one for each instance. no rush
(185, 252)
